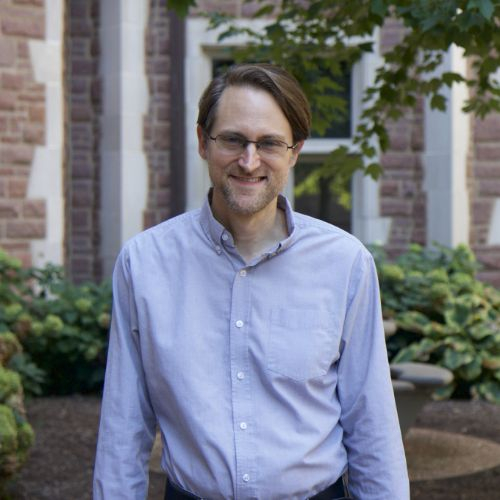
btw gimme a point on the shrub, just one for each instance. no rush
(16, 434)
(62, 327)
(444, 316)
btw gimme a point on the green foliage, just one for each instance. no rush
(315, 40)
(180, 7)
(16, 434)
(444, 316)
(62, 328)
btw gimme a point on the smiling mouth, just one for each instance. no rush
(248, 180)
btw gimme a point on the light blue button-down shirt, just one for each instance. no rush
(268, 380)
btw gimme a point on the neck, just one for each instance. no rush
(255, 233)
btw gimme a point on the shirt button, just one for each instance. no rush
(240, 375)
(218, 249)
(243, 273)
(246, 477)
(225, 237)
(243, 425)
(239, 323)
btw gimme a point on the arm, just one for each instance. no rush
(372, 437)
(127, 426)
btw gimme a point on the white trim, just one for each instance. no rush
(46, 177)
(367, 223)
(447, 136)
(124, 172)
(494, 232)
(201, 47)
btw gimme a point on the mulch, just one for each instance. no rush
(61, 462)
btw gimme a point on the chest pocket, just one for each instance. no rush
(302, 343)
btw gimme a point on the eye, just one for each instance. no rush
(271, 145)
(232, 140)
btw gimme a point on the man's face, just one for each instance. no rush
(246, 183)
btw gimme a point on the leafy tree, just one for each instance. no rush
(314, 40)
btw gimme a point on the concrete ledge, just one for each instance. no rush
(437, 455)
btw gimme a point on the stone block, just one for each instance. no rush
(12, 81)
(81, 219)
(34, 134)
(7, 52)
(9, 209)
(17, 187)
(481, 211)
(7, 101)
(37, 113)
(488, 129)
(488, 152)
(25, 230)
(490, 187)
(161, 136)
(399, 161)
(487, 171)
(18, 154)
(34, 209)
(23, 24)
(391, 207)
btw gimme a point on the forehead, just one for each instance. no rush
(251, 111)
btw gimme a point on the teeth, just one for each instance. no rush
(249, 179)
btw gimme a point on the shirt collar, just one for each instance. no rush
(218, 234)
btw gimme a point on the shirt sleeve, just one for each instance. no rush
(372, 436)
(128, 424)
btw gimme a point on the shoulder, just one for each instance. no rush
(163, 235)
(308, 226)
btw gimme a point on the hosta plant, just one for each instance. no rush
(62, 327)
(445, 316)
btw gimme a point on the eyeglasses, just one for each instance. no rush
(236, 144)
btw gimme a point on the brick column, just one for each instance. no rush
(157, 120)
(401, 191)
(485, 196)
(83, 99)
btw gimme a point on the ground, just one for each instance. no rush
(60, 465)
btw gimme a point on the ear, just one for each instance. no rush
(202, 142)
(295, 153)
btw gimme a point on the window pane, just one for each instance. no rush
(340, 127)
(322, 205)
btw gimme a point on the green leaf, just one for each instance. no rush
(472, 370)
(444, 392)
(486, 8)
(491, 362)
(379, 7)
(180, 7)
(412, 321)
(489, 390)
(266, 10)
(453, 359)
(438, 101)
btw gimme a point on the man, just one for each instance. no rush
(252, 335)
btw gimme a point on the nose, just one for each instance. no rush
(249, 160)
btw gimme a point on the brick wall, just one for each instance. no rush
(485, 188)
(22, 126)
(82, 158)
(157, 120)
(401, 192)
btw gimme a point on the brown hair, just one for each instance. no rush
(273, 79)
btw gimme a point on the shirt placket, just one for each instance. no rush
(243, 419)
